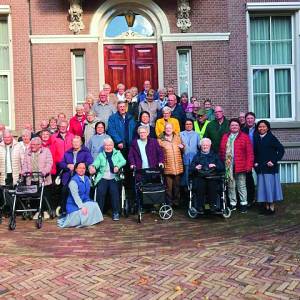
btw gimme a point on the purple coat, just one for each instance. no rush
(154, 153)
(84, 155)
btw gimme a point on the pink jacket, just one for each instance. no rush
(58, 147)
(45, 163)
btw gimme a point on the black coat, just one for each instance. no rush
(267, 149)
(206, 159)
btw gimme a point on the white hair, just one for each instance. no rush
(205, 140)
(108, 140)
(143, 127)
(166, 109)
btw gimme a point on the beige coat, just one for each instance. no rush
(172, 154)
(16, 162)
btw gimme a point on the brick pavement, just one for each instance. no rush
(246, 257)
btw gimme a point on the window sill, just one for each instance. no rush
(285, 125)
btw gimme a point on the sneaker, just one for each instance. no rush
(46, 215)
(36, 215)
(115, 217)
(243, 209)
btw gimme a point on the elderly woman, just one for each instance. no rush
(89, 126)
(131, 106)
(76, 154)
(45, 138)
(106, 167)
(191, 141)
(38, 159)
(172, 147)
(184, 101)
(52, 125)
(25, 143)
(81, 210)
(77, 121)
(237, 152)
(95, 144)
(205, 163)
(145, 151)
(267, 152)
(161, 123)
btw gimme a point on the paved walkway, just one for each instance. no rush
(246, 257)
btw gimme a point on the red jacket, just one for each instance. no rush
(58, 148)
(77, 127)
(243, 152)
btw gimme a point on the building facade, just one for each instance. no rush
(244, 55)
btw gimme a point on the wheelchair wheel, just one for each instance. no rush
(58, 211)
(226, 213)
(39, 221)
(12, 223)
(192, 212)
(139, 217)
(165, 212)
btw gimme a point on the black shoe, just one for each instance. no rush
(232, 207)
(243, 209)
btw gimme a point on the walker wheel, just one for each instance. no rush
(126, 209)
(52, 214)
(165, 212)
(12, 223)
(39, 222)
(226, 213)
(192, 212)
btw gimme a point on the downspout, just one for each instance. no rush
(31, 65)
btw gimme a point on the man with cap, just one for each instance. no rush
(201, 123)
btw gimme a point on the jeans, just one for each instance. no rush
(239, 183)
(111, 186)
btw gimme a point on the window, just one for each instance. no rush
(289, 172)
(272, 67)
(184, 71)
(5, 73)
(118, 27)
(79, 77)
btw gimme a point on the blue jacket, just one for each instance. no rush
(120, 131)
(83, 155)
(191, 140)
(83, 191)
(142, 96)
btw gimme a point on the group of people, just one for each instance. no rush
(188, 138)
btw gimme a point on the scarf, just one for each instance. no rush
(229, 157)
(110, 162)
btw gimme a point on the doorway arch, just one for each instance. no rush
(148, 9)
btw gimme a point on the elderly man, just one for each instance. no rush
(161, 122)
(151, 106)
(143, 94)
(89, 126)
(111, 97)
(242, 119)
(38, 160)
(162, 97)
(60, 142)
(10, 159)
(171, 91)
(103, 109)
(28, 126)
(121, 127)
(201, 123)
(43, 126)
(177, 111)
(216, 128)
(77, 121)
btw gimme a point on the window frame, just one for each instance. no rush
(74, 53)
(272, 68)
(6, 14)
(190, 71)
(296, 171)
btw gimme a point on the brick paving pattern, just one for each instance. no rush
(246, 257)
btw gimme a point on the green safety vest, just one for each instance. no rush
(202, 130)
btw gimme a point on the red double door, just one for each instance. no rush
(131, 65)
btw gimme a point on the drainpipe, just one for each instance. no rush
(31, 65)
